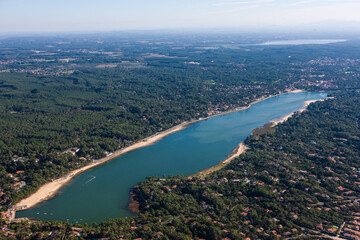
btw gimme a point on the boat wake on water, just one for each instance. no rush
(92, 178)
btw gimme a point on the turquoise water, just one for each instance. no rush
(103, 192)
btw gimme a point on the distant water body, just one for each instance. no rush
(302, 42)
(103, 192)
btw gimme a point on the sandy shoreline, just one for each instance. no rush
(285, 118)
(242, 147)
(240, 150)
(49, 189)
(236, 153)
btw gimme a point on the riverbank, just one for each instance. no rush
(48, 190)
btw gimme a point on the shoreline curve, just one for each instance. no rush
(49, 190)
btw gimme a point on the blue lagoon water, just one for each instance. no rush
(301, 42)
(103, 192)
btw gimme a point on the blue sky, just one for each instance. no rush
(104, 15)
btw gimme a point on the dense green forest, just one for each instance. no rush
(46, 119)
(66, 101)
(299, 180)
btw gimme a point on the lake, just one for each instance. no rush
(301, 42)
(103, 192)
